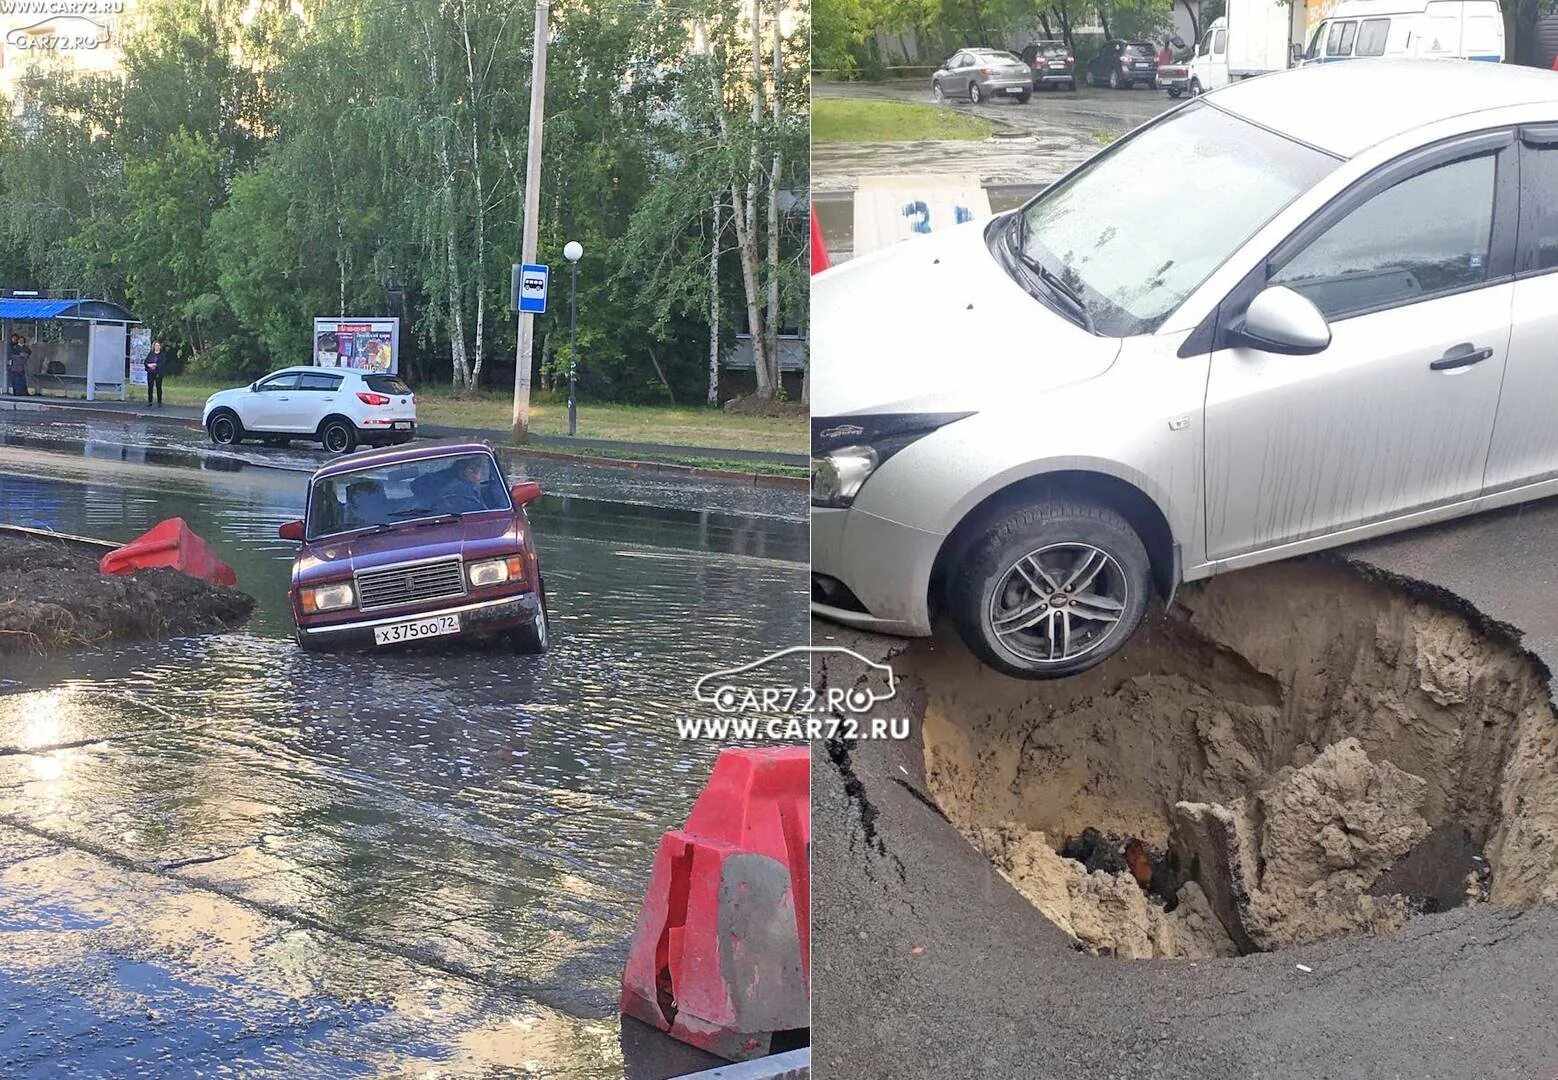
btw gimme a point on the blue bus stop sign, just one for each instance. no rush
(532, 288)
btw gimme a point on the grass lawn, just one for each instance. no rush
(835, 120)
(683, 426)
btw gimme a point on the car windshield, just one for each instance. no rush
(411, 491)
(1130, 248)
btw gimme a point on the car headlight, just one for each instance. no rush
(495, 571)
(846, 450)
(836, 476)
(329, 597)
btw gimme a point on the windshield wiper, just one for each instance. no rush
(1051, 280)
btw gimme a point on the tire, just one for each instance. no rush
(224, 428)
(337, 436)
(1174, 92)
(994, 574)
(974, 94)
(1023, 99)
(1087, 77)
(936, 93)
(1114, 80)
(1195, 88)
(535, 637)
(306, 643)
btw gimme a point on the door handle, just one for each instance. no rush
(1463, 355)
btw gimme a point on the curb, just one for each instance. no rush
(757, 480)
(790, 1065)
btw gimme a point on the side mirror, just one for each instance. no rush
(526, 493)
(291, 530)
(1280, 320)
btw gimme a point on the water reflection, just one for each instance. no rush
(461, 812)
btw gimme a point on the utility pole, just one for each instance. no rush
(521, 424)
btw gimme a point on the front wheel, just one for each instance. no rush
(936, 94)
(1052, 589)
(1173, 92)
(225, 429)
(1114, 80)
(974, 96)
(1195, 87)
(337, 436)
(533, 638)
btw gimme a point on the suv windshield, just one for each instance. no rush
(393, 494)
(1141, 48)
(1130, 248)
(1053, 48)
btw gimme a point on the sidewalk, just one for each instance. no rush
(189, 416)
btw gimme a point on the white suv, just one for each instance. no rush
(337, 407)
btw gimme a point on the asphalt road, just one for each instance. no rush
(926, 963)
(1040, 141)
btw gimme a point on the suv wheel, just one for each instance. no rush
(1114, 80)
(225, 428)
(338, 436)
(1051, 589)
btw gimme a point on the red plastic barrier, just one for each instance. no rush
(819, 250)
(169, 543)
(721, 953)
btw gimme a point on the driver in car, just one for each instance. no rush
(464, 494)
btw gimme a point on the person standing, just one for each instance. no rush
(17, 354)
(156, 361)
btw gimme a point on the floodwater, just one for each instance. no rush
(222, 855)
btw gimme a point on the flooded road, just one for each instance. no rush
(224, 851)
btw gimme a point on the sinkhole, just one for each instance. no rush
(1289, 754)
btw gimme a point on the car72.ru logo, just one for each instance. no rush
(742, 689)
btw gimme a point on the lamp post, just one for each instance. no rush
(573, 251)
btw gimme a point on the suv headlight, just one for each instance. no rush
(495, 571)
(836, 476)
(329, 597)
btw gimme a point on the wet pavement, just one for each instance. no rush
(222, 854)
(1035, 144)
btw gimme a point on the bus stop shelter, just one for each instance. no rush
(77, 345)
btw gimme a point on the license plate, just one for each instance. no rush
(1056, 64)
(417, 629)
(403, 425)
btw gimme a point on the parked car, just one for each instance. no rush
(409, 543)
(336, 407)
(979, 75)
(1052, 64)
(1175, 78)
(1438, 29)
(1121, 65)
(1347, 333)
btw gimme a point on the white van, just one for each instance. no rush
(1445, 29)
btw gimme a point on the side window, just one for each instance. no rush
(1371, 37)
(1314, 42)
(1206, 45)
(280, 382)
(1219, 42)
(1339, 41)
(326, 383)
(1539, 208)
(1427, 234)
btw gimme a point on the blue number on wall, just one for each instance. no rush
(961, 214)
(923, 211)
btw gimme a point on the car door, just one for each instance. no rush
(268, 406)
(318, 395)
(1413, 269)
(1525, 437)
(955, 83)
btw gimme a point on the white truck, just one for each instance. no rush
(1252, 39)
(1441, 29)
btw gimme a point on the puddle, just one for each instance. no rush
(1292, 754)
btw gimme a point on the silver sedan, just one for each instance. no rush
(1033, 423)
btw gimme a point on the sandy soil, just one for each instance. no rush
(52, 597)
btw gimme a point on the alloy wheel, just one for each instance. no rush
(1058, 602)
(223, 430)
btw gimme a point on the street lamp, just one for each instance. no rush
(573, 252)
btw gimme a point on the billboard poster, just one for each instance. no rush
(365, 344)
(140, 346)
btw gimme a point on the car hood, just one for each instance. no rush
(935, 324)
(471, 538)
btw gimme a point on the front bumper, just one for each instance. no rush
(885, 564)
(481, 617)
